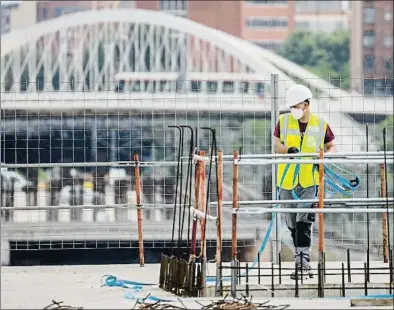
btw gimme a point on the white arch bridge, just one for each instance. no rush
(83, 52)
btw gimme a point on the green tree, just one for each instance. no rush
(325, 54)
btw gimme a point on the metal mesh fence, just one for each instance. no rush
(93, 206)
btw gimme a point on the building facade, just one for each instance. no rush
(51, 9)
(17, 15)
(372, 46)
(326, 16)
(264, 22)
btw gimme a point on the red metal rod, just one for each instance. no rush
(139, 211)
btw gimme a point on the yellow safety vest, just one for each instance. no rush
(313, 139)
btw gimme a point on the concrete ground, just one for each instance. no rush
(80, 286)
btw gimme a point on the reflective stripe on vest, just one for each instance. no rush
(313, 139)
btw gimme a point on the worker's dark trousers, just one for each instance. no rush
(300, 224)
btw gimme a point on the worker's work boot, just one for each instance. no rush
(304, 269)
(303, 272)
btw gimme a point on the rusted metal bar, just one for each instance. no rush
(203, 208)
(196, 203)
(139, 211)
(384, 215)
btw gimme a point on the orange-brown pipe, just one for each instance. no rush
(139, 211)
(196, 201)
(203, 206)
(384, 215)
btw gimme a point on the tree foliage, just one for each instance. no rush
(325, 54)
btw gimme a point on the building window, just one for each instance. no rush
(388, 16)
(212, 86)
(261, 22)
(173, 5)
(265, 2)
(44, 13)
(228, 87)
(319, 6)
(388, 64)
(269, 45)
(58, 12)
(5, 21)
(369, 39)
(369, 15)
(369, 62)
(388, 41)
(302, 25)
(316, 25)
(73, 9)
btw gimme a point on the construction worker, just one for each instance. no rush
(300, 131)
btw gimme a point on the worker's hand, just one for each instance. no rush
(293, 150)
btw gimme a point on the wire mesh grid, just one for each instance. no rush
(98, 202)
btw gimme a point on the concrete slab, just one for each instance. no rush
(36, 287)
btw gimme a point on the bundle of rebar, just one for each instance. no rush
(180, 277)
(242, 303)
(225, 304)
(58, 305)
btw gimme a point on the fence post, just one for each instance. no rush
(321, 218)
(234, 226)
(203, 227)
(235, 206)
(219, 223)
(276, 238)
(139, 211)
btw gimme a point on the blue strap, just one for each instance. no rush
(336, 183)
(111, 280)
(333, 182)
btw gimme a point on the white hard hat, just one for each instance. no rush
(298, 93)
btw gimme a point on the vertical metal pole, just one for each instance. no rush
(235, 207)
(114, 149)
(94, 141)
(219, 223)
(234, 228)
(368, 224)
(233, 278)
(139, 211)
(276, 238)
(203, 230)
(321, 217)
(196, 205)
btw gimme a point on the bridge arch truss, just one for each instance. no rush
(85, 50)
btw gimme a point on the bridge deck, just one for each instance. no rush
(177, 102)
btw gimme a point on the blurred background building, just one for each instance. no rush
(371, 44)
(326, 16)
(17, 15)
